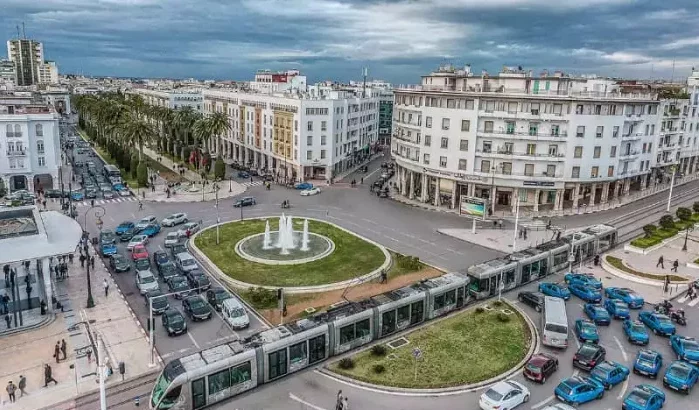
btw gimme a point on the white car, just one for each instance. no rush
(504, 395)
(189, 229)
(172, 239)
(309, 192)
(145, 222)
(145, 281)
(175, 219)
(137, 240)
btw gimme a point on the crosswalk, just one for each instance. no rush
(254, 183)
(684, 300)
(102, 201)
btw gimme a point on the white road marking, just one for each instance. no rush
(101, 202)
(577, 342)
(372, 173)
(193, 341)
(621, 347)
(683, 299)
(543, 402)
(623, 389)
(694, 302)
(305, 403)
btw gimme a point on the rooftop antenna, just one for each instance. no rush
(365, 72)
(18, 34)
(24, 34)
(672, 79)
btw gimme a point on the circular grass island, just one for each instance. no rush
(351, 256)
(470, 347)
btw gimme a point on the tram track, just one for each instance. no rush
(90, 401)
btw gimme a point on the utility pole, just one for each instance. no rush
(218, 217)
(151, 325)
(101, 370)
(672, 184)
(514, 237)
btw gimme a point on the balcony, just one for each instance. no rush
(628, 172)
(505, 154)
(539, 136)
(17, 153)
(631, 136)
(628, 156)
(405, 138)
(520, 175)
(413, 157)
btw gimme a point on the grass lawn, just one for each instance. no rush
(467, 348)
(617, 263)
(352, 256)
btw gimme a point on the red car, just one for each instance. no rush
(540, 367)
(139, 252)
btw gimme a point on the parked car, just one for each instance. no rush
(633, 299)
(681, 376)
(137, 240)
(540, 367)
(150, 230)
(582, 279)
(644, 397)
(216, 296)
(185, 262)
(128, 234)
(52, 193)
(174, 322)
(142, 265)
(577, 390)
(588, 356)
(189, 229)
(310, 192)
(167, 271)
(243, 174)
(247, 201)
(196, 308)
(303, 185)
(145, 281)
(610, 373)
(118, 263)
(555, 290)
(139, 252)
(180, 285)
(198, 280)
(108, 194)
(159, 301)
(108, 247)
(505, 394)
(586, 331)
(597, 314)
(91, 194)
(636, 332)
(160, 258)
(145, 222)
(234, 313)
(687, 348)
(532, 299)
(175, 219)
(77, 196)
(617, 308)
(171, 239)
(648, 363)
(586, 293)
(177, 249)
(657, 322)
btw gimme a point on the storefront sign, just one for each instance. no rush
(464, 177)
(538, 183)
(472, 206)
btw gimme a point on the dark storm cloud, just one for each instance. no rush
(332, 39)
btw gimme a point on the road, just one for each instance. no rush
(407, 230)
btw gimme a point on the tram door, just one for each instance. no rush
(494, 281)
(198, 393)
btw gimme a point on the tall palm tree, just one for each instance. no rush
(183, 123)
(210, 126)
(136, 131)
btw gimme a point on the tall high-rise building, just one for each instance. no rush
(28, 56)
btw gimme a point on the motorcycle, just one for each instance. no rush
(286, 205)
(664, 307)
(678, 317)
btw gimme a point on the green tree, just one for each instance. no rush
(667, 222)
(684, 214)
(208, 127)
(649, 230)
(695, 207)
(219, 168)
(134, 165)
(142, 174)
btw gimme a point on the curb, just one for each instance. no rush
(299, 289)
(51, 317)
(632, 278)
(533, 348)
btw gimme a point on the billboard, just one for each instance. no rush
(473, 207)
(279, 78)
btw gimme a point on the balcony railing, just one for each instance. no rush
(504, 152)
(17, 153)
(518, 91)
(512, 134)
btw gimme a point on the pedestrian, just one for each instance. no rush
(345, 404)
(6, 268)
(92, 203)
(82, 260)
(92, 262)
(22, 385)
(29, 293)
(338, 402)
(251, 179)
(48, 375)
(44, 202)
(11, 388)
(63, 348)
(106, 288)
(42, 306)
(8, 320)
(495, 224)
(675, 265)
(500, 223)
(57, 351)
(660, 262)
(384, 277)
(70, 258)
(89, 355)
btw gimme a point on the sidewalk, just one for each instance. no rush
(111, 320)
(500, 239)
(168, 163)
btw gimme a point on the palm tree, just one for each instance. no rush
(183, 123)
(212, 125)
(136, 131)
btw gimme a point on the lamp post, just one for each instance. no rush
(686, 236)
(99, 212)
(218, 217)
(673, 169)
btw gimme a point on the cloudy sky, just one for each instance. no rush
(398, 40)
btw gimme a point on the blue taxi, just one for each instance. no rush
(648, 362)
(150, 230)
(578, 390)
(582, 279)
(586, 331)
(636, 332)
(124, 226)
(633, 299)
(586, 293)
(597, 313)
(687, 348)
(644, 397)
(618, 309)
(555, 290)
(610, 373)
(657, 322)
(681, 376)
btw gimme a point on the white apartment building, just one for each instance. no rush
(268, 81)
(27, 55)
(689, 123)
(30, 154)
(551, 141)
(295, 136)
(7, 73)
(48, 73)
(175, 98)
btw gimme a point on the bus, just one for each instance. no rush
(112, 173)
(554, 326)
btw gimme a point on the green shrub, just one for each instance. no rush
(667, 222)
(649, 230)
(497, 303)
(646, 242)
(346, 363)
(378, 368)
(411, 263)
(262, 298)
(480, 309)
(666, 233)
(695, 207)
(503, 317)
(378, 350)
(220, 168)
(683, 213)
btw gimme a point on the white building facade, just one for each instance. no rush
(175, 99)
(30, 154)
(550, 142)
(48, 73)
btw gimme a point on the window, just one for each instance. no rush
(322, 154)
(529, 170)
(555, 130)
(309, 155)
(444, 143)
(388, 322)
(277, 363)
(647, 129)
(488, 126)
(507, 168)
(309, 126)
(322, 140)
(594, 172)
(575, 172)
(597, 152)
(316, 349)
(297, 353)
(426, 158)
(443, 162)
(509, 127)
(40, 147)
(465, 125)
(652, 129)
(487, 146)
(615, 131)
(219, 381)
(598, 109)
(42, 161)
(550, 170)
(580, 133)
(463, 145)
(553, 150)
(531, 149)
(39, 130)
(610, 171)
(416, 311)
(533, 128)
(612, 154)
(485, 166)
(309, 140)
(579, 109)
(599, 132)
(512, 107)
(508, 148)
(403, 314)
(463, 164)
(428, 122)
(578, 152)
(428, 140)
(323, 125)
(535, 109)
(198, 393)
(445, 123)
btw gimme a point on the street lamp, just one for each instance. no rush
(218, 217)
(673, 169)
(686, 236)
(99, 212)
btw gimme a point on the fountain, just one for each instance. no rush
(305, 240)
(285, 235)
(267, 242)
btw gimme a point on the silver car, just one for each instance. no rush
(140, 225)
(175, 219)
(188, 229)
(172, 239)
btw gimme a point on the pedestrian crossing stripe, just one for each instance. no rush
(255, 183)
(691, 303)
(106, 201)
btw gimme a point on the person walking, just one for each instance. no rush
(660, 263)
(22, 385)
(675, 265)
(82, 260)
(11, 388)
(92, 262)
(338, 402)
(106, 288)
(63, 348)
(8, 320)
(345, 404)
(57, 352)
(48, 376)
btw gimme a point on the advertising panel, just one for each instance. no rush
(473, 207)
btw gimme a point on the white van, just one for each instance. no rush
(554, 326)
(234, 313)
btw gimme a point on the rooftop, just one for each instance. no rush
(17, 222)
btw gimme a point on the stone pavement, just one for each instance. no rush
(111, 320)
(168, 163)
(501, 239)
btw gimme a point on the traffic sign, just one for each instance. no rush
(417, 353)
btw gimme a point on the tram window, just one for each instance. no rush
(346, 334)
(277, 363)
(416, 310)
(450, 297)
(526, 271)
(388, 322)
(509, 276)
(316, 349)
(404, 313)
(219, 381)
(438, 302)
(363, 328)
(297, 352)
(198, 393)
(560, 258)
(543, 267)
(170, 398)
(241, 374)
(534, 268)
